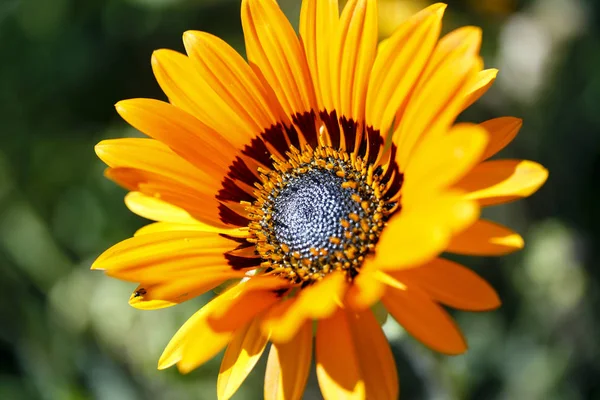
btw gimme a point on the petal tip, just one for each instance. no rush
(167, 361)
(159, 55)
(495, 303)
(100, 148)
(96, 267)
(121, 107)
(190, 38)
(438, 8)
(185, 368)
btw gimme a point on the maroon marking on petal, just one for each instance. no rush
(243, 244)
(240, 171)
(388, 172)
(306, 123)
(238, 262)
(331, 123)
(374, 139)
(241, 241)
(275, 136)
(350, 128)
(395, 186)
(230, 217)
(362, 148)
(232, 192)
(293, 136)
(258, 151)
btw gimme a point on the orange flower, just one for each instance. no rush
(321, 177)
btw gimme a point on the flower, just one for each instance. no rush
(318, 179)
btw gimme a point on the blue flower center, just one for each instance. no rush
(308, 210)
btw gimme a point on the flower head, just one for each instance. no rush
(322, 176)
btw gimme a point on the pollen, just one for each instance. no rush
(312, 212)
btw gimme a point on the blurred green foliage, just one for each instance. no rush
(68, 333)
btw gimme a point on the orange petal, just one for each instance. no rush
(501, 132)
(424, 319)
(274, 51)
(338, 369)
(288, 366)
(486, 238)
(399, 64)
(375, 359)
(483, 82)
(241, 355)
(314, 302)
(502, 181)
(452, 284)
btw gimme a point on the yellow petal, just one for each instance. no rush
(245, 300)
(202, 205)
(314, 302)
(150, 258)
(232, 310)
(365, 289)
(375, 358)
(452, 284)
(353, 60)
(486, 238)
(398, 65)
(483, 82)
(157, 210)
(275, 52)
(439, 95)
(501, 181)
(153, 296)
(197, 226)
(437, 164)
(152, 156)
(424, 319)
(463, 42)
(189, 91)
(150, 167)
(418, 234)
(338, 369)
(319, 22)
(241, 355)
(195, 342)
(194, 141)
(232, 79)
(288, 366)
(501, 132)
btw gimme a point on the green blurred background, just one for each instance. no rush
(68, 333)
